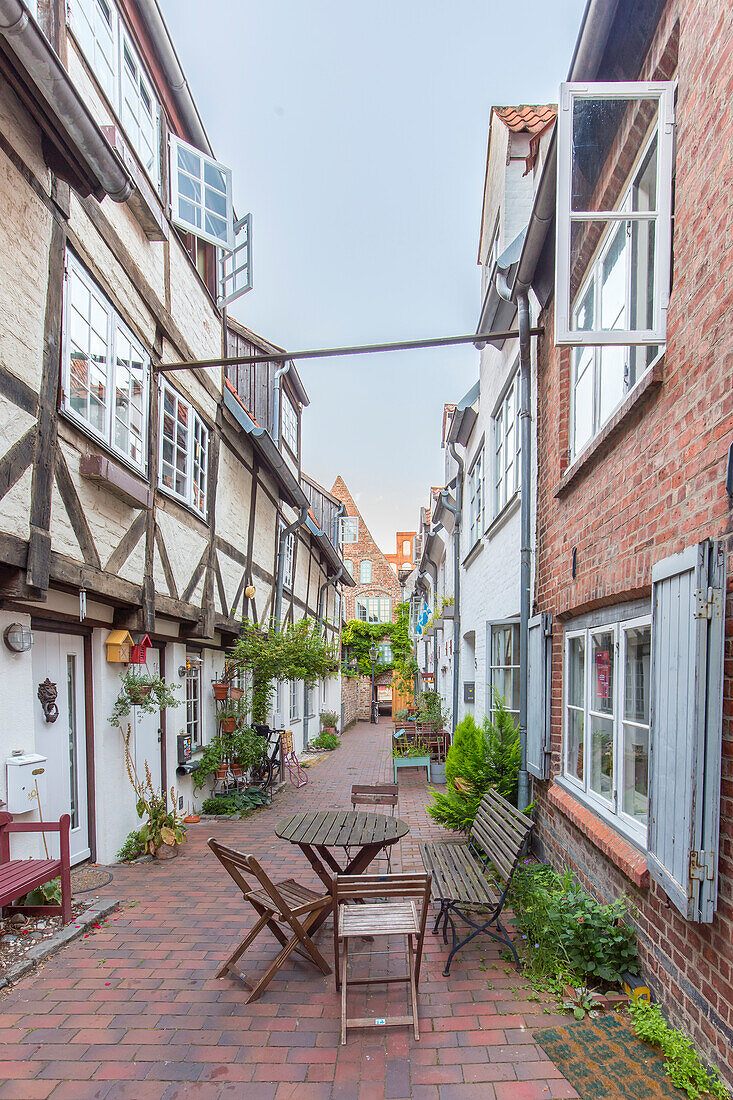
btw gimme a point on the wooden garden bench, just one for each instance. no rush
(19, 876)
(472, 880)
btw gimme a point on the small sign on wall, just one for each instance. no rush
(603, 674)
(469, 691)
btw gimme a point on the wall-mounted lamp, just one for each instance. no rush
(18, 638)
(190, 670)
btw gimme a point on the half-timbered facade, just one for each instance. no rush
(131, 499)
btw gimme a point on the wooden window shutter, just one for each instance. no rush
(538, 695)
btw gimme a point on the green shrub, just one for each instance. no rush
(326, 741)
(49, 893)
(466, 755)
(567, 931)
(681, 1061)
(236, 804)
(133, 847)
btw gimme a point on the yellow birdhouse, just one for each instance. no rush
(118, 645)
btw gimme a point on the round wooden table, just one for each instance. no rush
(317, 831)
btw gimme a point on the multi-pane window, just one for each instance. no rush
(476, 499)
(294, 708)
(287, 549)
(373, 609)
(365, 571)
(105, 376)
(349, 529)
(289, 424)
(193, 699)
(385, 653)
(349, 565)
(616, 295)
(504, 667)
(337, 608)
(114, 61)
(201, 194)
(606, 750)
(184, 449)
(507, 447)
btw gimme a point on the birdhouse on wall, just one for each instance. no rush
(139, 650)
(119, 644)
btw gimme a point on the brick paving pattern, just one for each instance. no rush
(133, 1012)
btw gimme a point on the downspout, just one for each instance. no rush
(277, 399)
(434, 571)
(281, 562)
(525, 552)
(457, 510)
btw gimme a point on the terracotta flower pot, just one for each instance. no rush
(329, 729)
(191, 819)
(228, 725)
(221, 690)
(222, 772)
(166, 851)
(235, 693)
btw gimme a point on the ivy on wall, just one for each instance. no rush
(358, 637)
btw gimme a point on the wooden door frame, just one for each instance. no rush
(60, 626)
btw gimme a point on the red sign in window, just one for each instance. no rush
(603, 674)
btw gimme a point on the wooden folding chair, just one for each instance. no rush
(278, 906)
(380, 914)
(378, 794)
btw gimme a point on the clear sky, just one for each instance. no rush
(357, 138)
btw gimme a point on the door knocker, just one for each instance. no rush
(47, 693)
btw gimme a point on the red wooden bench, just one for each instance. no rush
(18, 876)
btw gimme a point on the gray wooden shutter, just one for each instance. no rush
(538, 695)
(688, 614)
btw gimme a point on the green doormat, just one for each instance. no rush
(603, 1060)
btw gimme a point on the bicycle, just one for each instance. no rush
(263, 774)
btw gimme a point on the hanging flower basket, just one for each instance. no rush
(139, 692)
(235, 693)
(221, 689)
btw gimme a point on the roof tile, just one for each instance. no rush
(531, 117)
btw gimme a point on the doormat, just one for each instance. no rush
(84, 879)
(603, 1060)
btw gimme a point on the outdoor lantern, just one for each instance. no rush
(373, 653)
(190, 670)
(250, 591)
(18, 638)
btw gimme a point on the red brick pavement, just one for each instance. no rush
(133, 1012)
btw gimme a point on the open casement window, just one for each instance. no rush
(349, 529)
(235, 266)
(614, 211)
(287, 548)
(538, 695)
(688, 617)
(201, 194)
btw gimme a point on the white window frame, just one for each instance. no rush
(197, 453)
(362, 578)
(611, 810)
(500, 624)
(142, 87)
(235, 267)
(293, 704)
(115, 327)
(83, 16)
(507, 413)
(383, 647)
(661, 216)
(289, 422)
(348, 523)
(373, 605)
(476, 499)
(592, 281)
(177, 145)
(287, 547)
(194, 723)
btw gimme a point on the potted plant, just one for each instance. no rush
(231, 716)
(329, 720)
(140, 689)
(162, 829)
(449, 608)
(239, 751)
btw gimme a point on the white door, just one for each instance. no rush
(60, 659)
(146, 731)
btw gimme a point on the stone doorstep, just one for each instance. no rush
(70, 932)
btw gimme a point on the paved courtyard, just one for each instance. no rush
(134, 1011)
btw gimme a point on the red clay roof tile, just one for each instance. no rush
(527, 116)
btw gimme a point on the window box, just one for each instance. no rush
(116, 480)
(449, 611)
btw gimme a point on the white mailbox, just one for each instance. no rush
(26, 775)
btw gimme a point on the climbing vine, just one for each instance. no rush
(297, 652)
(358, 637)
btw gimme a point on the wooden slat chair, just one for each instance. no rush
(391, 905)
(278, 906)
(377, 794)
(472, 880)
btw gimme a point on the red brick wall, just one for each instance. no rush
(384, 580)
(655, 485)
